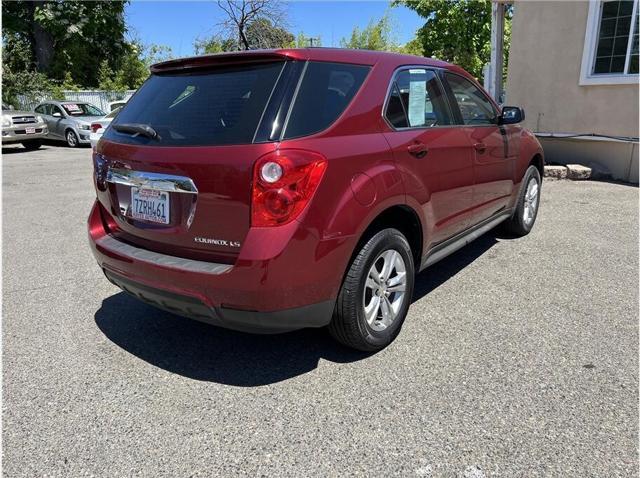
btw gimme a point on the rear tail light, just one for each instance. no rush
(95, 127)
(283, 184)
(100, 168)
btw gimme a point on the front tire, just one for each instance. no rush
(72, 138)
(524, 217)
(376, 293)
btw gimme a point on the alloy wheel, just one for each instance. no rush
(531, 201)
(71, 139)
(384, 290)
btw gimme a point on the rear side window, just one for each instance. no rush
(325, 91)
(216, 107)
(417, 100)
(474, 106)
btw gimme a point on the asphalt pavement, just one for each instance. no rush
(519, 357)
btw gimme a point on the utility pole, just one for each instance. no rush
(497, 48)
(312, 39)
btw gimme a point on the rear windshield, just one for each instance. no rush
(325, 92)
(218, 107)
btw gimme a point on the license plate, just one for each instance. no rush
(150, 205)
(31, 130)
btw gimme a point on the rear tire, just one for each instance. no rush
(72, 138)
(376, 293)
(524, 217)
(32, 145)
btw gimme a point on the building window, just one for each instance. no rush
(611, 43)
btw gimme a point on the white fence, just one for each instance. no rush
(101, 99)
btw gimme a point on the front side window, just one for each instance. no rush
(416, 100)
(325, 92)
(475, 108)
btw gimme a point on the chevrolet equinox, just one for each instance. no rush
(268, 191)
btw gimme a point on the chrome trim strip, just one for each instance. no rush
(162, 260)
(157, 181)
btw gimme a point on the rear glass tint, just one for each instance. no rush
(325, 92)
(217, 107)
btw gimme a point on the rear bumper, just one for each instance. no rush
(314, 315)
(282, 280)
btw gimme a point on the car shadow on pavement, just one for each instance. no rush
(442, 271)
(204, 352)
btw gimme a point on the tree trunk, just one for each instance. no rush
(43, 48)
(43, 43)
(244, 43)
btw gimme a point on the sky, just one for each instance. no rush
(178, 23)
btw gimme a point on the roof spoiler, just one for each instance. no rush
(218, 59)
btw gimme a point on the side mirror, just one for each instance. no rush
(511, 115)
(57, 114)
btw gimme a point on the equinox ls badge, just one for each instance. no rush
(216, 242)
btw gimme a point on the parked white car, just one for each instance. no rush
(116, 105)
(98, 126)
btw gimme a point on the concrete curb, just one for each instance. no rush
(575, 172)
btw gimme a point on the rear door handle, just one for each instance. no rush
(480, 147)
(419, 150)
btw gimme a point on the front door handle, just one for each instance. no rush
(480, 147)
(417, 149)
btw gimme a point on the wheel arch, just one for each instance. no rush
(401, 217)
(538, 162)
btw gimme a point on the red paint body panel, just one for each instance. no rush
(369, 170)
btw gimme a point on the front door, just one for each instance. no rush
(494, 160)
(433, 155)
(57, 123)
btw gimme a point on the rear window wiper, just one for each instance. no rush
(137, 128)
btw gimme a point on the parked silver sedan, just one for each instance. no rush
(69, 121)
(22, 127)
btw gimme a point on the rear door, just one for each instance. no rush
(493, 163)
(433, 154)
(187, 192)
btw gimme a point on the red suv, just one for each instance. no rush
(268, 191)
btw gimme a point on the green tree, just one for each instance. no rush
(458, 32)
(261, 34)
(304, 41)
(257, 33)
(133, 69)
(156, 53)
(18, 76)
(66, 35)
(214, 44)
(377, 35)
